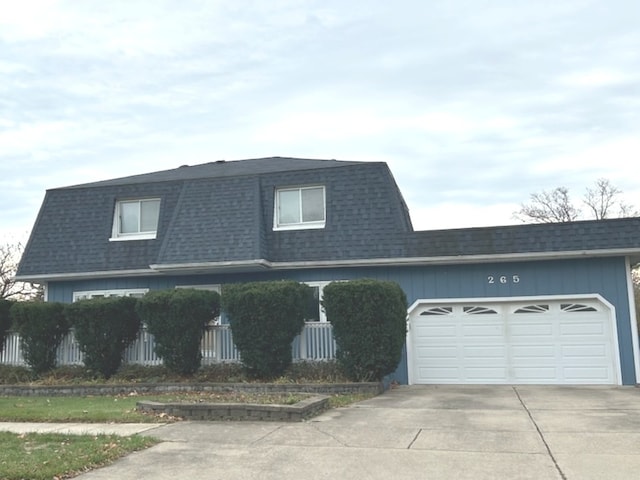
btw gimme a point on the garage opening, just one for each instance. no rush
(504, 341)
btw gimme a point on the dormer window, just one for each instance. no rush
(299, 208)
(136, 219)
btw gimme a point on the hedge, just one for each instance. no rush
(177, 319)
(41, 326)
(369, 326)
(104, 328)
(265, 318)
(5, 320)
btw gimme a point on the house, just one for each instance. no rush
(544, 304)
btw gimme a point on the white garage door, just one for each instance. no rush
(538, 342)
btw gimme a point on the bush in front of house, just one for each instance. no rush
(265, 318)
(5, 320)
(369, 326)
(177, 319)
(41, 326)
(104, 328)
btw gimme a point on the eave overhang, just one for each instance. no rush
(259, 265)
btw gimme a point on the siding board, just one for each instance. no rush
(604, 276)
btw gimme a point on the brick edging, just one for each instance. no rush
(143, 388)
(298, 412)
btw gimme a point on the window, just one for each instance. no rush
(297, 208)
(438, 311)
(533, 309)
(314, 311)
(478, 310)
(577, 307)
(132, 292)
(136, 219)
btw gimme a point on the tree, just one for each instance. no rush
(603, 200)
(10, 254)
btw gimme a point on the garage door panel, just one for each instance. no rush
(438, 351)
(481, 374)
(440, 374)
(539, 374)
(484, 352)
(434, 331)
(579, 328)
(483, 330)
(585, 374)
(551, 342)
(532, 352)
(585, 351)
(529, 329)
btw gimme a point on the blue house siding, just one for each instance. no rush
(604, 276)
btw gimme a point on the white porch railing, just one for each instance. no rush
(314, 343)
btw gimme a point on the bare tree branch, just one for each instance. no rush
(603, 200)
(9, 288)
(549, 207)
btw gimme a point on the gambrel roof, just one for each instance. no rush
(219, 216)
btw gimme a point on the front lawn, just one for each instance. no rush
(57, 456)
(122, 409)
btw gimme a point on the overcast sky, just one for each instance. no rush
(474, 104)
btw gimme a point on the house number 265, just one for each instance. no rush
(504, 279)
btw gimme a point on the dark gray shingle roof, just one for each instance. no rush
(223, 169)
(219, 213)
(223, 213)
(601, 235)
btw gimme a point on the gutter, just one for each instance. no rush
(256, 265)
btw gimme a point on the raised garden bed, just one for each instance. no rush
(145, 388)
(304, 409)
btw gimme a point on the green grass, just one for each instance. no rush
(122, 409)
(48, 456)
(72, 409)
(346, 399)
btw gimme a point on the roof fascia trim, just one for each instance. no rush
(171, 267)
(85, 275)
(461, 259)
(259, 264)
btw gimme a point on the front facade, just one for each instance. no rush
(543, 304)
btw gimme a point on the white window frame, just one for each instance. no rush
(214, 287)
(117, 235)
(120, 292)
(320, 285)
(302, 224)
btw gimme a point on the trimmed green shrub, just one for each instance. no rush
(104, 328)
(5, 321)
(265, 318)
(41, 326)
(369, 326)
(177, 319)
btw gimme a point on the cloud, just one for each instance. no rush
(473, 105)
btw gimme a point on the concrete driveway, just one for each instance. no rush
(417, 432)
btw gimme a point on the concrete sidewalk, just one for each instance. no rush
(462, 432)
(122, 429)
